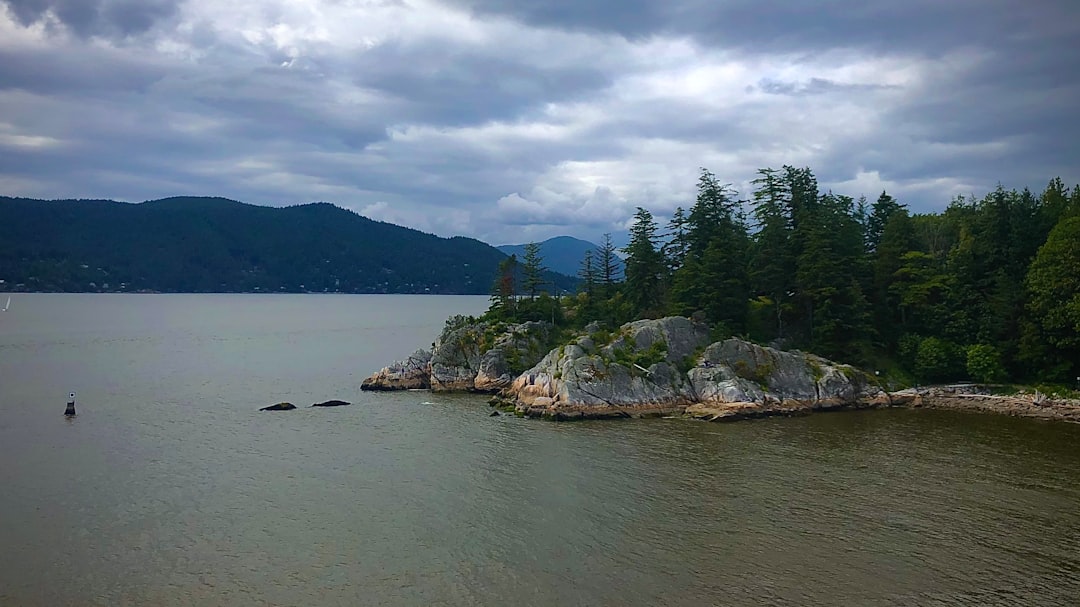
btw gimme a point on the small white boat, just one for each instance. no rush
(7, 305)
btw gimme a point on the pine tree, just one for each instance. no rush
(837, 313)
(677, 245)
(897, 239)
(607, 266)
(532, 269)
(713, 278)
(504, 291)
(772, 265)
(588, 275)
(881, 212)
(644, 266)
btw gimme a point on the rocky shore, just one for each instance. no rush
(969, 399)
(664, 367)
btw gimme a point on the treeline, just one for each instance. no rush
(988, 289)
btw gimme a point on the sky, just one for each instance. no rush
(514, 121)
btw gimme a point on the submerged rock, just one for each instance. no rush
(332, 403)
(279, 407)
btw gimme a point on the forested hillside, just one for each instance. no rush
(988, 289)
(219, 245)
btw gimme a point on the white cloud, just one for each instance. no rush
(426, 114)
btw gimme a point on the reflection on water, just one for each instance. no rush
(170, 489)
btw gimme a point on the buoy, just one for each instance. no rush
(70, 411)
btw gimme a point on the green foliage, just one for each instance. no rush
(1053, 285)
(906, 295)
(757, 373)
(937, 360)
(532, 268)
(457, 321)
(627, 356)
(984, 363)
(644, 268)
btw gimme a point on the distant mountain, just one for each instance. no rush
(562, 254)
(219, 245)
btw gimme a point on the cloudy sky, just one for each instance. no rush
(517, 120)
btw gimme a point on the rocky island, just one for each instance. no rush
(660, 367)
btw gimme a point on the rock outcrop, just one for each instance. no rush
(737, 379)
(666, 366)
(468, 356)
(332, 403)
(637, 372)
(413, 373)
(663, 367)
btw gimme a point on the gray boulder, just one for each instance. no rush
(734, 370)
(413, 373)
(634, 375)
(664, 366)
(468, 356)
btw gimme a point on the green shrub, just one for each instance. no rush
(938, 360)
(984, 364)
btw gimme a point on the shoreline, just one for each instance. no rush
(1063, 410)
(1066, 410)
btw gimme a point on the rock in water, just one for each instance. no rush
(468, 356)
(494, 414)
(279, 407)
(331, 403)
(413, 373)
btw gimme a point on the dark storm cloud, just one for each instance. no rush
(553, 112)
(96, 17)
(467, 86)
(56, 71)
(790, 25)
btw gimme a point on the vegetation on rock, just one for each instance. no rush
(988, 289)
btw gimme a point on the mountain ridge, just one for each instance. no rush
(214, 244)
(562, 254)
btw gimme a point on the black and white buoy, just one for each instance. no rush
(70, 411)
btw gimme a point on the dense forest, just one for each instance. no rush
(988, 289)
(219, 245)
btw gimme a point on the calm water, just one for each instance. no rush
(169, 488)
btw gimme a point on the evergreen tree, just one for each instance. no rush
(588, 275)
(772, 267)
(607, 266)
(883, 210)
(805, 224)
(713, 277)
(677, 245)
(713, 211)
(837, 313)
(532, 269)
(897, 240)
(644, 266)
(504, 291)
